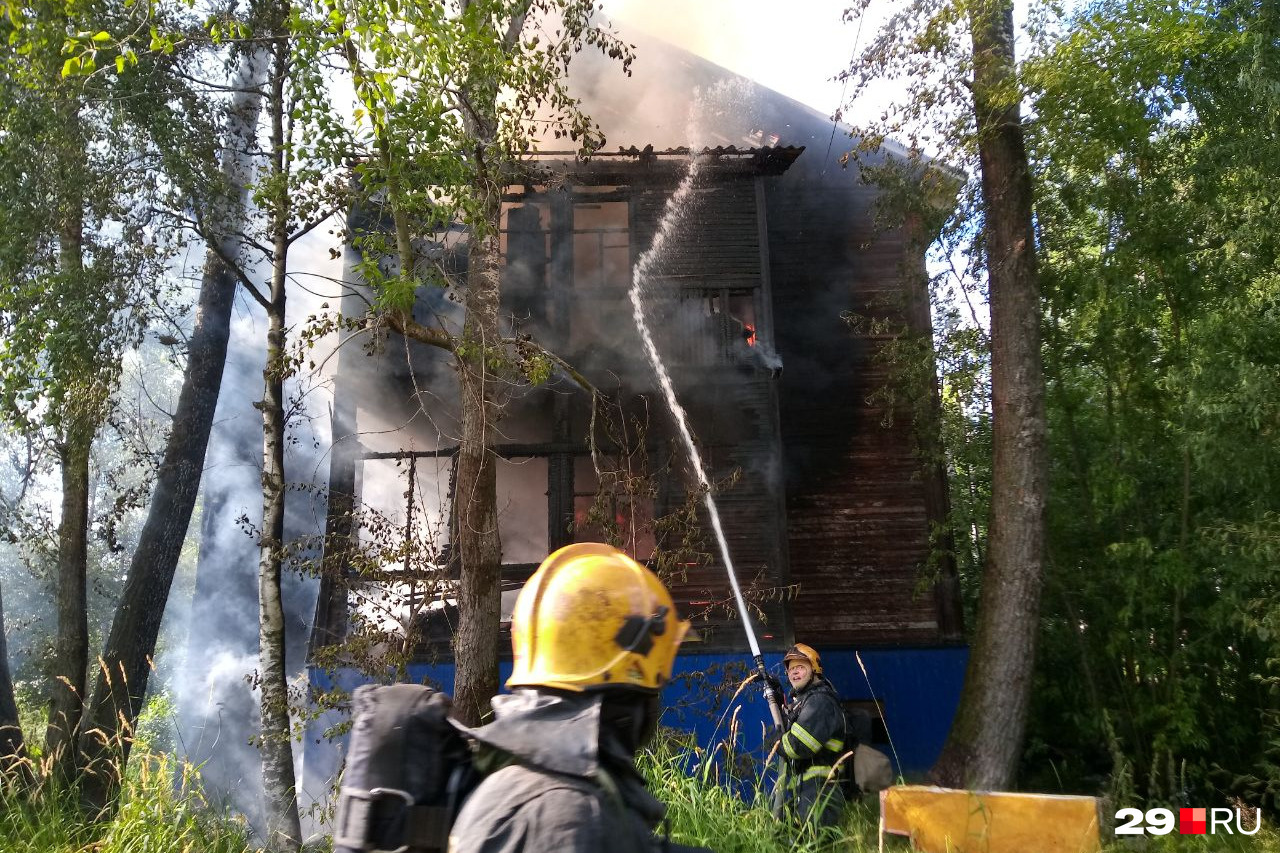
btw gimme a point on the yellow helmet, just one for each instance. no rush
(805, 653)
(590, 618)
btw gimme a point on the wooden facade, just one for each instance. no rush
(827, 506)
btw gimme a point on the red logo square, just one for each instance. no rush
(1191, 821)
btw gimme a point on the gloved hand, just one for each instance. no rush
(771, 740)
(772, 685)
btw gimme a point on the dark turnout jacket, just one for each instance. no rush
(812, 743)
(564, 785)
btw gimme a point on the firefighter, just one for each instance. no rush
(594, 636)
(812, 743)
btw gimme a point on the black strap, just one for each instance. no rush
(351, 824)
(426, 828)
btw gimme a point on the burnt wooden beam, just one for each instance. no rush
(506, 451)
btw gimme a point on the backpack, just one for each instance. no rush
(408, 771)
(872, 769)
(867, 770)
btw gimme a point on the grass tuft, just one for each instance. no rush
(161, 811)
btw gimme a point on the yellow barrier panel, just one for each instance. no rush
(943, 820)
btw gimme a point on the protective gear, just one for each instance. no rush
(804, 653)
(812, 745)
(592, 618)
(562, 778)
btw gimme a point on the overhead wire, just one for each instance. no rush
(844, 88)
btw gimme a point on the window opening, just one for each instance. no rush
(626, 519)
(601, 271)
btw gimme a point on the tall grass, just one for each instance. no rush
(161, 811)
(704, 811)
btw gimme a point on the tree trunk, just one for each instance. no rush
(279, 781)
(476, 492)
(12, 749)
(475, 499)
(121, 684)
(985, 742)
(71, 663)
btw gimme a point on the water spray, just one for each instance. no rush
(671, 216)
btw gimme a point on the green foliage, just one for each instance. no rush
(1156, 175)
(1154, 147)
(81, 257)
(451, 97)
(65, 313)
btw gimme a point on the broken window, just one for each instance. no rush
(707, 326)
(601, 273)
(401, 543)
(601, 246)
(525, 245)
(734, 314)
(522, 509)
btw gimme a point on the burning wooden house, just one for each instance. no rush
(827, 505)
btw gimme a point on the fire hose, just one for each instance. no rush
(770, 695)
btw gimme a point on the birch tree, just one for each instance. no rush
(275, 741)
(296, 190)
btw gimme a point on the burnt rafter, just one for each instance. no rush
(505, 451)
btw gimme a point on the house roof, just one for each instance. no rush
(672, 97)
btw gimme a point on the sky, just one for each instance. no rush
(791, 47)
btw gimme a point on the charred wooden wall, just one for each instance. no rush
(824, 502)
(728, 392)
(857, 523)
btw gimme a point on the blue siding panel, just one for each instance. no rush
(919, 689)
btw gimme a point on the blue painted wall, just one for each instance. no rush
(919, 689)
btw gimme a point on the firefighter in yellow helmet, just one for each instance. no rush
(812, 743)
(594, 636)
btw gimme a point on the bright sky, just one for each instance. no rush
(791, 46)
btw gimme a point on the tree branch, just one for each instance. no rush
(404, 324)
